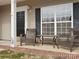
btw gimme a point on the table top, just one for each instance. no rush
(46, 35)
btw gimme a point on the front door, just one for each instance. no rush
(20, 22)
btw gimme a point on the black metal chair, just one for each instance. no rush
(75, 38)
(69, 40)
(63, 40)
(29, 37)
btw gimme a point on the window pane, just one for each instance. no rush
(63, 25)
(69, 25)
(58, 25)
(63, 30)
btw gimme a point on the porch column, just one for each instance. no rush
(13, 23)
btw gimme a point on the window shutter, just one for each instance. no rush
(38, 20)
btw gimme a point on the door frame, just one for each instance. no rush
(24, 8)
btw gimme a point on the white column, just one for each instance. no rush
(13, 23)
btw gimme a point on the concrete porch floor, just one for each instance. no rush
(45, 47)
(43, 50)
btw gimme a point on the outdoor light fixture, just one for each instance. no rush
(29, 8)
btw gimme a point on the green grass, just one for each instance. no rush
(10, 54)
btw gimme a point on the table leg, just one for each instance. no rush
(20, 39)
(55, 43)
(42, 40)
(35, 39)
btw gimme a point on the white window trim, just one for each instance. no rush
(24, 8)
(55, 22)
(72, 16)
(41, 21)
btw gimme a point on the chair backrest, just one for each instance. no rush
(75, 33)
(30, 33)
(65, 36)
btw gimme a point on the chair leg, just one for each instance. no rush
(34, 42)
(71, 48)
(42, 40)
(35, 39)
(20, 39)
(55, 43)
(20, 43)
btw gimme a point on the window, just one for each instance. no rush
(47, 21)
(56, 19)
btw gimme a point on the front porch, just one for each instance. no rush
(6, 25)
(38, 46)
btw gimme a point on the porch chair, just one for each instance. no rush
(69, 40)
(28, 38)
(63, 40)
(75, 38)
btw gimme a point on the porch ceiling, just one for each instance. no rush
(38, 2)
(5, 2)
(47, 2)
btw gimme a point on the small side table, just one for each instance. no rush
(41, 37)
(55, 42)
